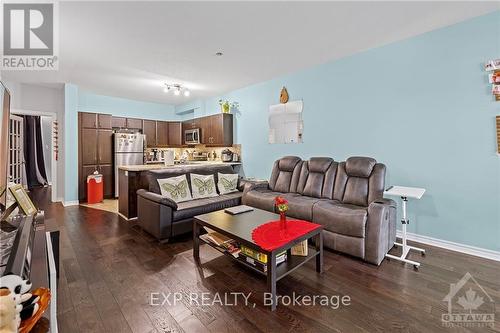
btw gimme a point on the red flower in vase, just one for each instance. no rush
(281, 203)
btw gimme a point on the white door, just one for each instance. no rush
(17, 172)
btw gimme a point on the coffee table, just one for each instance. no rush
(239, 227)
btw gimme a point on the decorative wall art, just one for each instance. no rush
(494, 78)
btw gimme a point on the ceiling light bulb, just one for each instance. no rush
(177, 92)
(187, 93)
(166, 89)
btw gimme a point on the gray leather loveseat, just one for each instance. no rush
(346, 197)
(163, 218)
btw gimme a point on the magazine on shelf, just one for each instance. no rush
(223, 243)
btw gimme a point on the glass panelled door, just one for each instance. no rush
(16, 152)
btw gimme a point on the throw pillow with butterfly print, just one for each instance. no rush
(228, 182)
(175, 188)
(203, 186)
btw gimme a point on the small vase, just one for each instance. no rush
(283, 220)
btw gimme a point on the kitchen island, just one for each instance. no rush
(131, 178)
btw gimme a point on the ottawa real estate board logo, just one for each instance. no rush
(30, 35)
(469, 305)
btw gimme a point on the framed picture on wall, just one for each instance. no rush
(22, 199)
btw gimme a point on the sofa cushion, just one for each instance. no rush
(358, 166)
(228, 182)
(189, 209)
(344, 219)
(175, 188)
(300, 206)
(261, 198)
(203, 186)
(149, 178)
(285, 174)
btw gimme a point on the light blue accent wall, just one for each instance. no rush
(422, 106)
(70, 142)
(90, 102)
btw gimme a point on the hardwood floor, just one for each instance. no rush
(109, 270)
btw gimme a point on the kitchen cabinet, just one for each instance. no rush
(107, 172)
(104, 121)
(175, 133)
(88, 150)
(118, 122)
(149, 129)
(88, 120)
(217, 130)
(95, 151)
(134, 123)
(161, 133)
(105, 146)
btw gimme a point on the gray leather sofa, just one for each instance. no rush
(346, 197)
(163, 218)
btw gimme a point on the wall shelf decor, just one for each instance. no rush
(494, 77)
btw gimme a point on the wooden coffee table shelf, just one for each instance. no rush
(240, 227)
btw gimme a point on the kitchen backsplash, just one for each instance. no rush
(199, 150)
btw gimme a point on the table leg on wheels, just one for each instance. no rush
(271, 279)
(405, 248)
(319, 256)
(196, 241)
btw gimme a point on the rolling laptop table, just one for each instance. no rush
(404, 193)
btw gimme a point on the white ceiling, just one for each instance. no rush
(128, 49)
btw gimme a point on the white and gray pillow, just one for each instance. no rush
(203, 186)
(175, 188)
(228, 182)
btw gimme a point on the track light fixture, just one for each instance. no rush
(177, 89)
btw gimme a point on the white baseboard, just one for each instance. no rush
(70, 203)
(467, 249)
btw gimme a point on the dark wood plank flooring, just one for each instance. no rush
(109, 269)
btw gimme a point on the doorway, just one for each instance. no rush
(52, 145)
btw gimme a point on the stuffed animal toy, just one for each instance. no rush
(27, 304)
(8, 312)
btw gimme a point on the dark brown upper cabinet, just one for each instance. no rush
(104, 121)
(149, 129)
(88, 145)
(175, 133)
(217, 130)
(119, 122)
(161, 133)
(134, 123)
(105, 146)
(88, 120)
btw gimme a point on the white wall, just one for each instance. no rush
(44, 99)
(46, 124)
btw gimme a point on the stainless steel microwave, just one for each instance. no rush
(192, 136)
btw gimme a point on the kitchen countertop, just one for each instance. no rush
(145, 167)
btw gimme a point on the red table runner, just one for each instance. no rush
(272, 235)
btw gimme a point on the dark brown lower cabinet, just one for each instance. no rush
(107, 173)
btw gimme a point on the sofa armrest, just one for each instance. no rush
(153, 215)
(157, 198)
(380, 230)
(249, 185)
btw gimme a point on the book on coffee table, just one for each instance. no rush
(238, 209)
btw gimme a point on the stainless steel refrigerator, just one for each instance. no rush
(129, 150)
